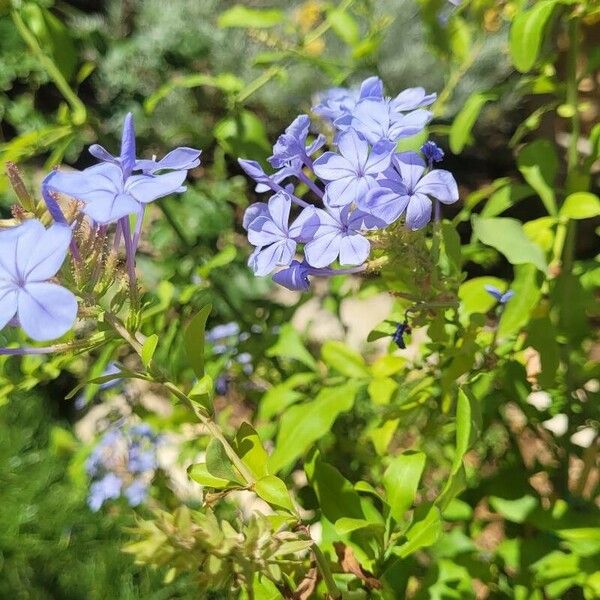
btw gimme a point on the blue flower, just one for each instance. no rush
(352, 172)
(503, 298)
(408, 188)
(269, 230)
(108, 197)
(136, 492)
(339, 233)
(295, 277)
(30, 256)
(338, 102)
(291, 147)
(378, 120)
(223, 331)
(110, 191)
(432, 152)
(107, 488)
(140, 459)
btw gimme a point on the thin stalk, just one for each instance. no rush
(130, 260)
(311, 184)
(328, 579)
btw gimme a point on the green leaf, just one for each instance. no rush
(527, 288)
(580, 205)
(473, 296)
(514, 510)
(304, 424)
(221, 259)
(193, 340)
(243, 134)
(344, 25)
(218, 463)
(341, 358)
(460, 130)
(527, 34)
(507, 236)
(279, 397)
(199, 473)
(346, 525)
(249, 448)
(274, 491)
(289, 345)
(504, 198)
(422, 533)
(538, 163)
(149, 348)
(337, 498)
(401, 481)
(381, 389)
(242, 16)
(201, 396)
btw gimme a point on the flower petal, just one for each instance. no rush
(280, 205)
(440, 184)
(418, 212)
(109, 207)
(145, 188)
(371, 88)
(127, 157)
(99, 152)
(263, 260)
(8, 305)
(307, 223)
(354, 249)
(354, 149)
(258, 209)
(46, 311)
(380, 158)
(323, 250)
(331, 167)
(49, 253)
(411, 167)
(412, 98)
(295, 277)
(85, 184)
(385, 204)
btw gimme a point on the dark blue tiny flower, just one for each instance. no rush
(502, 298)
(432, 152)
(402, 329)
(295, 277)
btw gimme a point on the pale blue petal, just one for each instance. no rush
(440, 184)
(323, 250)
(354, 149)
(145, 188)
(354, 249)
(331, 166)
(411, 167)
(306, 224)
(412, 98)
(295, 277)
(405, 125)
(8, 304)
(385, 204)
(46, 310)
(380, 157)
(371, 88)
(418, 212)
(84, 184)
(127, 157)
(48, 254)
(108, 207)
(280, 205)
(99, 152)
(258, 209)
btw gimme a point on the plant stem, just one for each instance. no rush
(323, 565)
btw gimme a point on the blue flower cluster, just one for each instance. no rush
(362, 184)
(122, 464)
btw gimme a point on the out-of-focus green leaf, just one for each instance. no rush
(516, 313)
(344, 25)
(538, 163)
(289, 345)
(149, 348)
(514, 510)
(527, 34)
(193, 339)
(507, 236)
(580, 205)
(243, 135)
(304, 424)
(343, 359)
(249, 18)
(460, 130)
(401, 481)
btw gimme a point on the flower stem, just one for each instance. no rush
(323, 565)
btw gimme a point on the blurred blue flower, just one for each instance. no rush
(107, 488)
(503, 298)
(291, 146)
(353, 171)
(30, 256)
(408, 188)
(122, 463)
(220, 332)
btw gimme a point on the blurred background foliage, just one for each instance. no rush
(228, 78)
